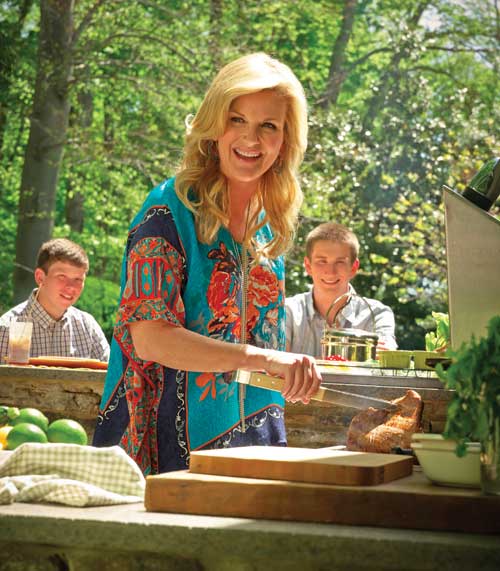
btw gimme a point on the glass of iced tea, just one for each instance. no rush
(19, 342)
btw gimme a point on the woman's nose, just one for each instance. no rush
(252, 133)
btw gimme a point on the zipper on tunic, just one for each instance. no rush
(243, 327)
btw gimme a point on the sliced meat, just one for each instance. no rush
(375, 430)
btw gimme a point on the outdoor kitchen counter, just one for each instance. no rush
(127, 538)
(59, 392)
(39, 537)
(76, 393)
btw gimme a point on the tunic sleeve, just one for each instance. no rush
(154, 276)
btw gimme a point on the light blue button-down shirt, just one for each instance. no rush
(304, 325)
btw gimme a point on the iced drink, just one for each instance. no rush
(19, 342)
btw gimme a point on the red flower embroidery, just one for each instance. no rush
(218, 290)
(263, 288)
(253, 315)
(207, 380)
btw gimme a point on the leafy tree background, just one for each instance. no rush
(403, 98)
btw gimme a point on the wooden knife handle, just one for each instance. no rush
(263, 380)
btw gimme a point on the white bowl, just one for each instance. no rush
(442, 466)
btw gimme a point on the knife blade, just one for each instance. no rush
(333, 396)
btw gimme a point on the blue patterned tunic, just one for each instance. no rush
(159, 414)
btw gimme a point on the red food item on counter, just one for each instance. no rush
(378, 430)
(336, 358)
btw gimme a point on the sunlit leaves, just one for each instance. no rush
(143, 65)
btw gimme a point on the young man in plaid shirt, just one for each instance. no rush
(59, 329)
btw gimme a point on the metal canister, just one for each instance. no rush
(351, 344)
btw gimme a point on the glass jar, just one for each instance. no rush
(490, 459)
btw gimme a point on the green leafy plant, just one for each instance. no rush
(474, 376)
(438, 340)
(100, 298)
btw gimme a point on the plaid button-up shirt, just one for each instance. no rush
(76, 334)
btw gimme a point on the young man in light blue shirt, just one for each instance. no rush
(332, 262)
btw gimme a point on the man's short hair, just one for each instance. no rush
(61, 250)
(333, 232)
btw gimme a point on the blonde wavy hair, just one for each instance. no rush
(203, 188)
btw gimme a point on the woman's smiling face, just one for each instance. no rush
(253, 137)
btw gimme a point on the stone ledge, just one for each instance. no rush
(91, 538)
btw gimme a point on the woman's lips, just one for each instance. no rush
(247, 155)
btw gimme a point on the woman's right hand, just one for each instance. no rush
(300, 372)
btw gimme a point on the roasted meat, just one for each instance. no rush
(376, 430)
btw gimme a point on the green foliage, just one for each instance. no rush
(100, 298)
(416, 110)
(439, 339)
(474, 376)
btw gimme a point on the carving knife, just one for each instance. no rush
(333, 396)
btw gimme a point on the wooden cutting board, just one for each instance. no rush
(409, 503)
(70, 362)
(320, 466)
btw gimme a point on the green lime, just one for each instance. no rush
(25, 432)
(32, 416)
(12, 413)
(67, 431)
(7, 414)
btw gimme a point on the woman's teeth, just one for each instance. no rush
(247, 154)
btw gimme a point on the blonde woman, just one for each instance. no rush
(203, 286)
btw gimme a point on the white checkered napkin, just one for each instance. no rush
(95, 476)
(71, 493)
(11, 487)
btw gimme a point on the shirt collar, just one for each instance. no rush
(347, 312)
(39, 314)
(310, 309)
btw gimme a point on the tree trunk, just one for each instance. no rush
(337, 72)
(215, 32)
(49, 123)
(81, 117)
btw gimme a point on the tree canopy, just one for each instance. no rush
(403, 98)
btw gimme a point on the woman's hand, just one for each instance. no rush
(176, 347)
(300, 372)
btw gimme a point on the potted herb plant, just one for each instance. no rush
(474, 409)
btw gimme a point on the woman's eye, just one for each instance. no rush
(270, 126)
(235, 119)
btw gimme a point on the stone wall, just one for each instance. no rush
(76, 394)
(321, 424)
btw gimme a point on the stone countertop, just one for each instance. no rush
(127, 535)
(54, 374)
